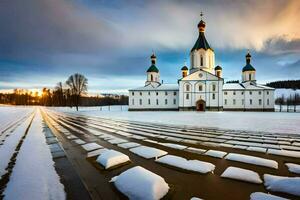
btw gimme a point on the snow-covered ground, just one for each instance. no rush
(242, 175)
(278, 122)
(9, 114)
(111, 158)
(34, 175)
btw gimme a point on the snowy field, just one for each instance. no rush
(276, 122)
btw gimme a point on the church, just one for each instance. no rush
(201, 86)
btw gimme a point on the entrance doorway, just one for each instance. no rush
(200, 105)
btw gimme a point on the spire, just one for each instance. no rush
(153, 58)
(153, 68)
(248, 57)
(201, 25)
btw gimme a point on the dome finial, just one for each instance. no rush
(201, 14)
(201, 25)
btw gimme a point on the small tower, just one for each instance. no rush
(153, 73)
(248, 73)
(202, 56)
(184, 71)
(218, 71)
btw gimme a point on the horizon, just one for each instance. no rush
(89, 37)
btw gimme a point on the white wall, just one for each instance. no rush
(136, 96)
(247, 95)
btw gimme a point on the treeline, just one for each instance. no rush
(290, 101)
(288, 84)
(72, 94)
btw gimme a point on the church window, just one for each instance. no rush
(156, 101)
(149, 102)
(250, 102)
(156, 93)
(259, 92)
(268, 102)
(201, 60)
(225, 101)
(234, 93)
(174, 101)
(151, 77)
(132, 93)
(187, 96)
(192, 60)
(148, 93)
(250, 77)
(166, 101)
(187, 87)
(166, 93)
(175, 93)
(243, 101)
(213, 87)
(200, 87)
(213, 96)
(242, 93)
(141, 101)
(250, 93)
(233, 101)
(132, 102)
(259, 101)
(267, 92)
(225, 93)
(140, 93)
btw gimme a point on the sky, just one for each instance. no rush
(43, 42)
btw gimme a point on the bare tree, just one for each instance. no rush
(78, 86)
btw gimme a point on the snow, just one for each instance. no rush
(95, 153)
(257, 149)
(294, 168)
(148, 152)
(242, 175)
(111, 158)
(10, 144)
(264, 196)
(190, 165)
(91, 146)
(34, 175)
(289, 185)
(117, 141)
(79, 141)
(294, 154)
(252, 160)
(138, 183)
(215, 153)
(174, 146)
(128, 145)
(252, 121)
(195, 198)
(195, 150)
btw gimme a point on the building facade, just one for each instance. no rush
(201, 86)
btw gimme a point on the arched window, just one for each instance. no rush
(187, 87)
(213, 87)
(249, 77)
(200, 87)
(151, 77)
(201, 60)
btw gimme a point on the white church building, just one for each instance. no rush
(201, 87)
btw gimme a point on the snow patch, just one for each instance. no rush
(294, 168)
(91, 146)
(139, 183)
(252, 160)
(215, 153)
(111, 158)
(294, 154)
(289, 185)
(190, 165)
(242, 175)
(174, 146)
(129, 145)
(148, 152)
(264, 196)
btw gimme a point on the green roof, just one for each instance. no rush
(248, 67)
(153, 68)
(201, 43)
(218, 68)
(184, 68)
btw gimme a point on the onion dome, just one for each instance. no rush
(153, 68)
(218, 68)
(184, 68)
(248, 66)
(153, 56)
(201, 26)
